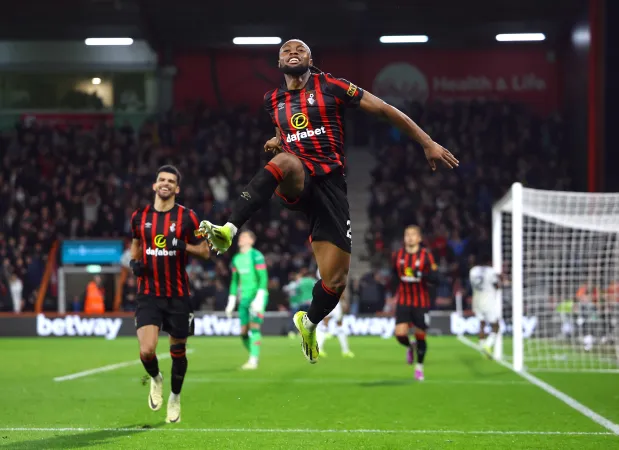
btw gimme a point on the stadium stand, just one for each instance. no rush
(68, 183)
(497, 144)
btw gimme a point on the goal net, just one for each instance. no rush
(559, 256)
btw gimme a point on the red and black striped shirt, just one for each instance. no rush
(311, 120)
(411, 289)
(165, 269)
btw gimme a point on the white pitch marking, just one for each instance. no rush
(302, 430)
(354, 381)
(108, 368)
(569, 401)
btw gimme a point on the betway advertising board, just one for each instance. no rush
(209, 324)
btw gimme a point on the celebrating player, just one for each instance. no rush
(249, 276)
(485, 283)
(307, 172)
(164, 233)
(338, 315)
(413, 268)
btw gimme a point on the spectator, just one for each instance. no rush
(16, 287)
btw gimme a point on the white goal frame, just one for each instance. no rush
(513, 202)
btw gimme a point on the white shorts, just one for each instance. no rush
(337, 314)
(486, 309)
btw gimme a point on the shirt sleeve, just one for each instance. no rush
(192, 226)
(261, 268)
(268, 105)
(344, 90)
(234, 281)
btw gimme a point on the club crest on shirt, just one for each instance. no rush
(173, 227)
(311, 97)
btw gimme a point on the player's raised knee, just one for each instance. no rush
(337, 281)
(287, 163)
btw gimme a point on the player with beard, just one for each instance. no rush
(164, 234)
(307, 172)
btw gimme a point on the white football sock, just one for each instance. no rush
(490, 339)
(232, 227)
(308, 323)
(343, 338)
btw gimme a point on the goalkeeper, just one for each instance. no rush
(249, 282)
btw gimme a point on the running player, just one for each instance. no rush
(322, 331)
(250, 282)
(413, 268)
(307, 172)
(164, 233)
(485, 283)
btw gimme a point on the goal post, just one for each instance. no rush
(558, 253)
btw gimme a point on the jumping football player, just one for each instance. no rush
(307, 172)
(485, 283)
(250, 280)
(164, 233)
(413, 268)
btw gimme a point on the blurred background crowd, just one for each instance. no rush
(70, 182)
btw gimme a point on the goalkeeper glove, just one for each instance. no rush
(173, 243)
(257, 305)
(231, 305)
(137, 267)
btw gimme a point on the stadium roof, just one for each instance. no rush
(196, 24)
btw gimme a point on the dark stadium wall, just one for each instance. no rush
(611, 96)
(574, 83)
(524, 74)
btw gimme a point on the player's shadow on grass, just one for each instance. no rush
(383, 383)
(82, 440)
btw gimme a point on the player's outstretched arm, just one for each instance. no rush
(434, 152)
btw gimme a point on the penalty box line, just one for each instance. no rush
(559, 395)
(302, 430)
(108, 368)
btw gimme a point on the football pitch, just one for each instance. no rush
(60, 393)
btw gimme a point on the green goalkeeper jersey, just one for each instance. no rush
(249, 274)
(302, 291)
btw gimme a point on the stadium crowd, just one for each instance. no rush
(64, 182)
(497, 144)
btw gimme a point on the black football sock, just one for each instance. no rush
(245, 340)
(179, 367)
(256, 194)
(150, 363)
(324, 300)
(422, 347)
(404, 340)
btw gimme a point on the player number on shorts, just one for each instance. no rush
(190, 319)
(349, 232)
(478, 283)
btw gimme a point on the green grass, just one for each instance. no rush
(465, 402)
